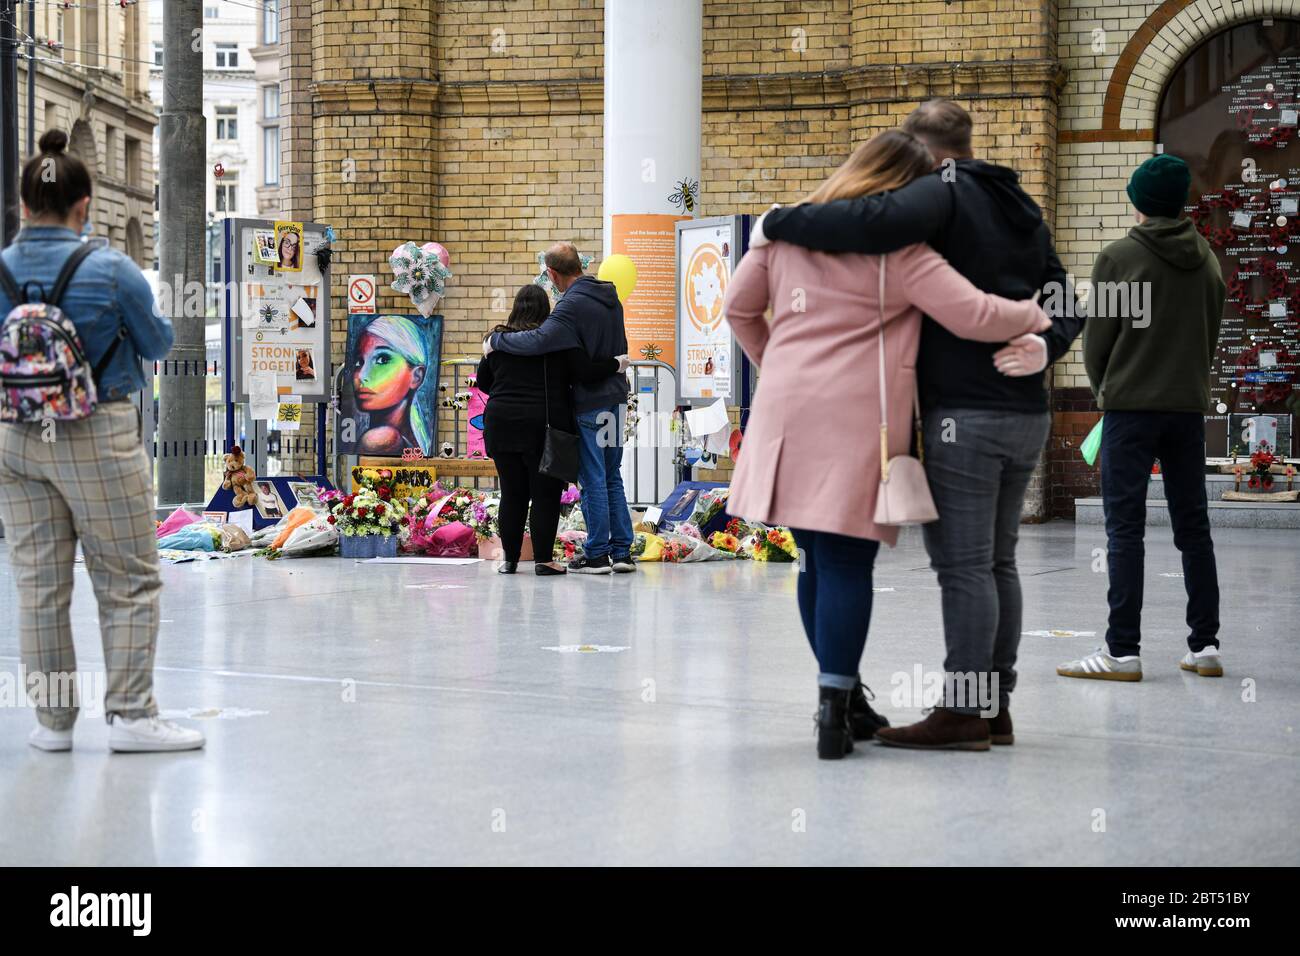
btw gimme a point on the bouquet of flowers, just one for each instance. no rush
(481, 515)
(709, 506)
(367, 511)
(725, 541)
(772, 544)
(568, 545)
(1261, 465)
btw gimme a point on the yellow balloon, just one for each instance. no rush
(621, 271)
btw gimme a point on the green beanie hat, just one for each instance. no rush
(1159, 186)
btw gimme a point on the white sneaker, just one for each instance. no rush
(43, 738)
(1207, 663)
(150, 735)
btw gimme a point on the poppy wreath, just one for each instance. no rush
(1268, 393)
(1281, 235)
(1276, 135)
(1273, 276)
(1202, 216)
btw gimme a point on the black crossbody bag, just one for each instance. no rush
(560, 451)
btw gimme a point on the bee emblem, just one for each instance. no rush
(688, 190)
(651, 352)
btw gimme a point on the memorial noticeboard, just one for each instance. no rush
(708, 358)
(279, 319)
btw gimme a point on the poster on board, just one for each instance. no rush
(707, 252)
(390, 388)
(649, 312)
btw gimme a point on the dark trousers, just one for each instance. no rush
(520, 482)
(835, 601)
(978, 463)
(1130, 443)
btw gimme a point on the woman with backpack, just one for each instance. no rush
(77, 321)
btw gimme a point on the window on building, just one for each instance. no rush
(110, 150)
(271, 22)
(134, 170)
(228, 193)
(227, 56)
(271, 156)
(88, 41)
(227, 122)
(211, 13)
(157, 54)
(271, 102)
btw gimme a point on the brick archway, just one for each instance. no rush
(1155, 50)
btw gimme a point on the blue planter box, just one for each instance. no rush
(368, 546)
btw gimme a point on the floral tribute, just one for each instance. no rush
(1261, 463)
(371, 509)
(772, 544)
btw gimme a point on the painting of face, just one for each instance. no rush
(383, 377)
(392, 365)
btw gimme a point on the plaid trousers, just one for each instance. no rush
(86, 480)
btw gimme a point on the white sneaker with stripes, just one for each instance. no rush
(1099, 665)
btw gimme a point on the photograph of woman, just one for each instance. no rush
(305, 368)
(288, 245)
(394, 361)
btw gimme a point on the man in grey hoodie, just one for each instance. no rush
(1153, 325)
(589, 316)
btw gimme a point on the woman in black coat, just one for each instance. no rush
(521, 389)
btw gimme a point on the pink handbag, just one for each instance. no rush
(904, 496)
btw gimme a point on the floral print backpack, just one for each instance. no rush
(44, 372)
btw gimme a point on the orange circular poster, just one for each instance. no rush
(706, 283)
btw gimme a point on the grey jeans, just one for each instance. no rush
(979, 462)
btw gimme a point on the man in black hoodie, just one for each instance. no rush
(986, 412)
(590, 317)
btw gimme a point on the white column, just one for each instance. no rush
(653, 74)
(653, 64)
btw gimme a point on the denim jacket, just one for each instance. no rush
(107, 292)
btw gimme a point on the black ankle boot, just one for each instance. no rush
(834, 735)
(864, 721)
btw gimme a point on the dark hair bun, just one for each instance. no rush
(54, 141)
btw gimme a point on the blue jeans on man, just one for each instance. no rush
(604, 504)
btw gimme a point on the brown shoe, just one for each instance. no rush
(941, 730)
(1000, 729)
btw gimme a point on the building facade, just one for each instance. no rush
(91, 82)
(240, 82)
(479, 125)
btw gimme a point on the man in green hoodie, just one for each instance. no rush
(1153, 323)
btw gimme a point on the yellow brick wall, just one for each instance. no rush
(504, 153)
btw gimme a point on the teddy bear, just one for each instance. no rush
(239, 478)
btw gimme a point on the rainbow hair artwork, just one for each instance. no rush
(408, 340)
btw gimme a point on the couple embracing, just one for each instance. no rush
(911, 275)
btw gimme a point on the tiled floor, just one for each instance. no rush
(401, 714)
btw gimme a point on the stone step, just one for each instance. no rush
(1215, 486)
(1223, 514)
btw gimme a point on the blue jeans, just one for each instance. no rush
(835, 601)
(1130, 443)
(604, 505)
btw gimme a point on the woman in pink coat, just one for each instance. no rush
(811, 458)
